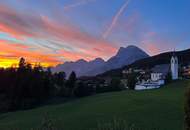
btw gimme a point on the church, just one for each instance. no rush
(159, 73)
(174, 67)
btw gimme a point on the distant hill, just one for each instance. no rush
(124, 56)
(149, 62)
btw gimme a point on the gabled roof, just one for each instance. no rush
(164, 69)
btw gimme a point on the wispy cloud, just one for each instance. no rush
(115, 19)
(76, 4)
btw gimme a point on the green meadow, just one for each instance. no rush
(159, 108)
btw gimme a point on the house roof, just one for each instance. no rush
(164, 69)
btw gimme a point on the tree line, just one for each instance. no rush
(27, 86)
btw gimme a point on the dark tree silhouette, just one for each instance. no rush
(82, 90)
(132, 80)
(168, 78)
(60, 78)
(28, 86)
(71, 83)
(115, 85)
(24, 87)
(72, 79)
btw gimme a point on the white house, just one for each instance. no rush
(156, 76)
(144, 86)
(159, 73)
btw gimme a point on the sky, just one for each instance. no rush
(51, 32)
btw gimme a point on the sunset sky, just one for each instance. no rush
(55, 31)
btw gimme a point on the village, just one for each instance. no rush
(152, 78)
(157, 76)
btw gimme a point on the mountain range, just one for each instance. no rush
(149, 62)
(124, 56)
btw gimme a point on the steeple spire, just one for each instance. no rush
(174, 53)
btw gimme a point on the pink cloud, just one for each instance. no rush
(21, 26)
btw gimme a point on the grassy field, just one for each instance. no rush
(160, 108)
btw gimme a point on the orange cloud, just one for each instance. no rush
(23, 26)
(10, 54)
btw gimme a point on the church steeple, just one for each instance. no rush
(174, 53)
(174, 66)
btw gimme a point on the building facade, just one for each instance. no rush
(156, 76)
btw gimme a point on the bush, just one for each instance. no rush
(132, 80)
(102, 89)
(82, 90)
(115, 85)
(168, 78)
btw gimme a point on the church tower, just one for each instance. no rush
(174, 67)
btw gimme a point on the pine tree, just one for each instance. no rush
(71, 82)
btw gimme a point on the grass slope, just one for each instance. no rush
(160, 108)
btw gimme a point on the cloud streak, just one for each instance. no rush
(79, 3)
(115, 19)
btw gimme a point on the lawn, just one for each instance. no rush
(160, 108)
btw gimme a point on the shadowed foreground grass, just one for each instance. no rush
(160, 108)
